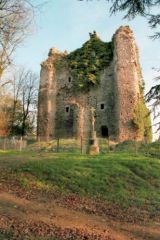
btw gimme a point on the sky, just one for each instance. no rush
(65, 24)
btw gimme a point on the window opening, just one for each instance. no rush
(67, 109)
(102, 106)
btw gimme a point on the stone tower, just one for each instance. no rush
(102, 76)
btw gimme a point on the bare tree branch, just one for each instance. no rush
(16, 18)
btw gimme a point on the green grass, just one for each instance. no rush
(114, 178)
(65, 145)
(71, 145)
(9, 236)
(120, 178)
(150, 149)
(74, 146)
(5, 236)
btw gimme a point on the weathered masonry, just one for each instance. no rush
(100, 77)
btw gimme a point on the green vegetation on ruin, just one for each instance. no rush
(59, 64)
(142, 121)
(141, 82)
(87, 62)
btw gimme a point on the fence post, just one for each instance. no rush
(57, 144)
(108, 144)
(38, 142)
(136, 148)
(20, 146)
(14, 142)
(4, 144)
(81, 145)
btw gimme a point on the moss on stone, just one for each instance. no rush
(142, 121)
(141, 80)
(59, 64)
(86, 63)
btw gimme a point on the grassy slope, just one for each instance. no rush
(119, 178)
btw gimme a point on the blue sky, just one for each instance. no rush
(65, 24)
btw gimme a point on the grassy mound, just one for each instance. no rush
(119, 178)
(150, 149)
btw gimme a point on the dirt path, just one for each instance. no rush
(25, 210)
(51, 214)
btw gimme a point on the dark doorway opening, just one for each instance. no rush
(104, 132)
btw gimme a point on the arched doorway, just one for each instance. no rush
(104, 132)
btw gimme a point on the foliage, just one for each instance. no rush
(148, 149)
(18, 129)
(11, 124)
(5, 236)
(152, 149)
(5, 114)
(86, 63)
(59, 64)
(153, 96)
(128, 146)
(141, 120)
(134, 8)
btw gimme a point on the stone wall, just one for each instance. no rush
(65, 111)
(127, 78)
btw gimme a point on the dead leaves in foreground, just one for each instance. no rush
(38, 230)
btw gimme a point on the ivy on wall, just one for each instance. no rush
(141, 120)
(87, 62)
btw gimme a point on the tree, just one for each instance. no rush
(25, 94)
(139, 7)
(16, 18)
(5, 113)
(132, 8)
(153, 96)
(18, 107)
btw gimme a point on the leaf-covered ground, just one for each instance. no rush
(50, 196)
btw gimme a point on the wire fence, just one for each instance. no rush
(12, 143)
(68, 145)
(73, 145)
(54, 145)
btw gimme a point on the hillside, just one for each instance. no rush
(72, 196)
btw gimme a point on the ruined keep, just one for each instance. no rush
(100, 77)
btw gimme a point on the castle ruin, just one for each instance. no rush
(103, 78)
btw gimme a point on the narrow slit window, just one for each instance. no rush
(69, 79)
(67, 109)
(102, 106)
